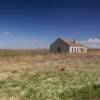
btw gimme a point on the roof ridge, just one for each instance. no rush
(71, 43)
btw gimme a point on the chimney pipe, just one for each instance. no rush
(74, 41)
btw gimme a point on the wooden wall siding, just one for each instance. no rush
(54, 47)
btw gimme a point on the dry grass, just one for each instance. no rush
(33, 76)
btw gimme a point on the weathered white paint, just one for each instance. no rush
(78, 49)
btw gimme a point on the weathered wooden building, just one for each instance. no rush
(63, 46)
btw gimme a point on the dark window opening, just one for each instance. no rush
(72, 50)
(81, 50)
(59, 50)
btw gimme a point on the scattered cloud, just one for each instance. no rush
(92, 43)
(77, 32)
(35, 40)
(7, 33)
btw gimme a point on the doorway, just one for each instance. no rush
(59, 50)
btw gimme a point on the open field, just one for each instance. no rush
(28, 75)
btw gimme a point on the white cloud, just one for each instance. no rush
(92, 43)
(7, 33)
(35, 40)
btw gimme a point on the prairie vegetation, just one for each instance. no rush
(38, 75)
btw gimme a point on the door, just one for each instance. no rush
(59, 50)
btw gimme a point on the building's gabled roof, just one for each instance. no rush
(71, 43)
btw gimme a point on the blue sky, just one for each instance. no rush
(37, 23)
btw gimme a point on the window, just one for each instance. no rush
(75, 49)
(72, 49)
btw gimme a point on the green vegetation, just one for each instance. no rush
(14, 52)
(11, 53)
(62, 85)
(91, 92)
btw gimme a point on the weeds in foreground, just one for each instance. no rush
(91, 92)
(60, 85)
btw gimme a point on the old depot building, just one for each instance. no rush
(65, 46)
